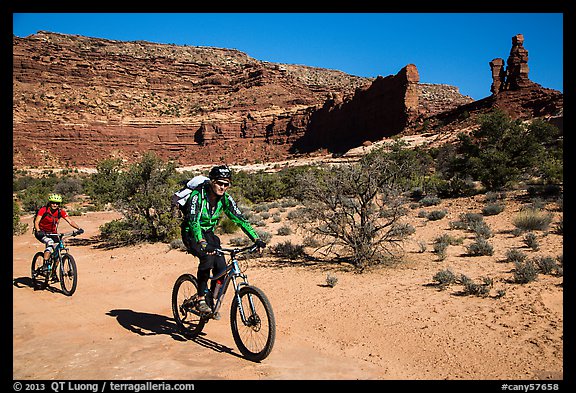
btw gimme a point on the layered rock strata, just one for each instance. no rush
(78, 100)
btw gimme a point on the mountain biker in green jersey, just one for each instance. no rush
(204, 207)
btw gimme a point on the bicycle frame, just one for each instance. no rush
(251, 316)
(60, 249)
(233, 274)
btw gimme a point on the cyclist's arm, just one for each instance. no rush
(234, 213)
(195, 212)
(71, 222)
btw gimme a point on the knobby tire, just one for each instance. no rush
(184, 294)
(68, 275)
(256, 339)
(39, 279)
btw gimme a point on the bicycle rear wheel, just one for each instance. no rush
(184, 295)
(68, 275)
(255, 335)
(39, 275)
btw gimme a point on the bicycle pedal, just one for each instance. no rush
(216, 316)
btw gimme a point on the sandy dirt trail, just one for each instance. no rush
(385, 324)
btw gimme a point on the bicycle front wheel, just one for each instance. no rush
(253, 324)
(184, 296)
(38, 273)
(68, 275)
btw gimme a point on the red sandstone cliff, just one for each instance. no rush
(78, 100)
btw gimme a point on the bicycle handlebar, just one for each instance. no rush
(236, 251)
(67, 234)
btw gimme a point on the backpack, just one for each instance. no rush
(43, 215)
(179, 198)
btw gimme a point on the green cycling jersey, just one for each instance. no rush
(201, 216)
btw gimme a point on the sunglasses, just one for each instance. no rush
(223, 184)
(55, 203)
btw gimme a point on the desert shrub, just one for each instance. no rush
(69, 187)
(177, 244)
(546, 264)
(284, 231)
(416, 193)
(479, 247)
(449, 239)
(492, 209)
(525, 272)
(560, 265)
(18, 227)
(310, 241)
(492, 197)
(444, 278)
(503, 150)
(439, 248)
(141, 194)
(358, 207)
(475, 289)
(288, 250)
(531, 240)
(331, 280)
(514, 255)
(288, 202)
(260, 207)
(430, 200)
(239, 241)
(264, 236)
(102, 186)
(532, 220)
(467, 221)
(559, 229)
(480, 229)
(436, 215)
(456, 186)
(401, 230)
(296, 214)
(260, 186)
(421, 246)
(440, 245)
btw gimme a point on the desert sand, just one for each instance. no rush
(387, 323)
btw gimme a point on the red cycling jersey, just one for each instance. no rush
(49, 223)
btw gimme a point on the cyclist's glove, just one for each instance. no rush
(259, 243)
(40, 233)
(204, 248)
(79, 231)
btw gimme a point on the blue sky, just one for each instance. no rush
(447, 48)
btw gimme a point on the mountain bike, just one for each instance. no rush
(251, 316)
(61, 266)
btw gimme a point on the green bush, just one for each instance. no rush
(502, 151)
(142, 193)
(18, 227)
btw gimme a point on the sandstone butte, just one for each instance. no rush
(78, 100)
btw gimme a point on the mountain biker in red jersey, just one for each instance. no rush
(46, 223)
(205, 206)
